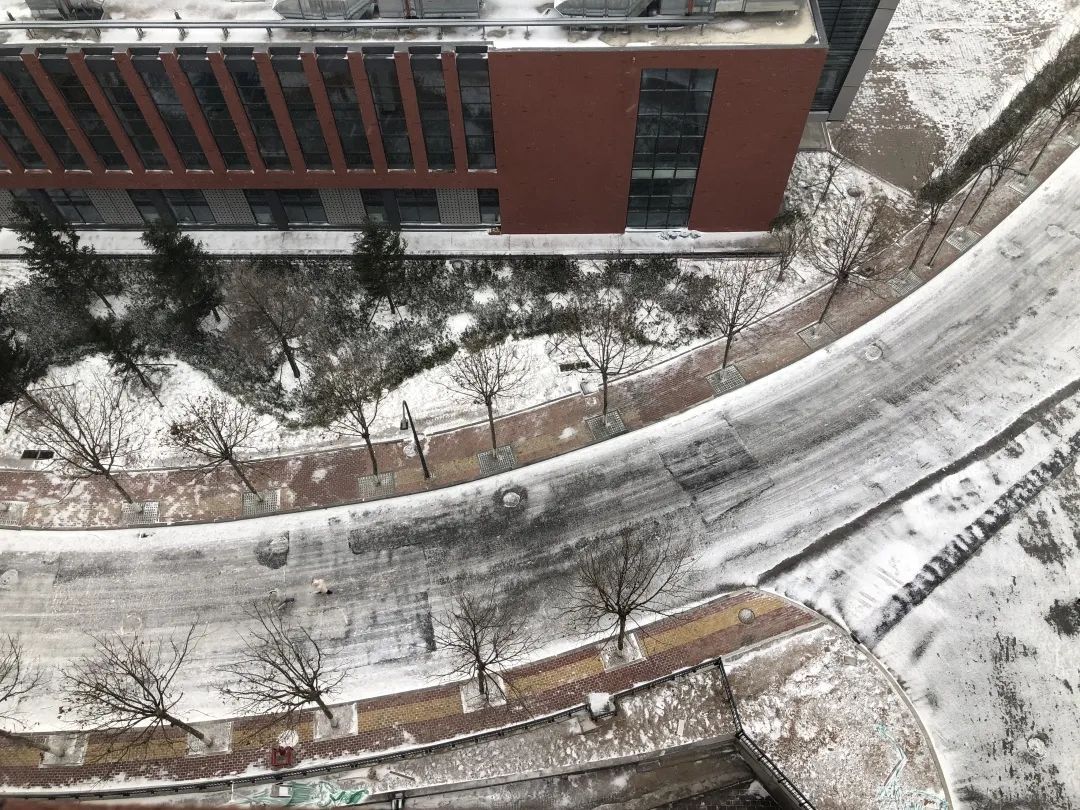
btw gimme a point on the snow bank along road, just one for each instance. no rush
(872, 480)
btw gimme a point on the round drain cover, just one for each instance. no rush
(511, 500)
(9, 578)
(873, 352)
(747, 616)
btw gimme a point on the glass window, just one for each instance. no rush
(17, 141)
(418, 205)
(172, 111)
(82, 109)
(301, 107)
(489, 205)
(52, 130)
(374, 204)
(476, 110)
(262, 206)
(346, 108)
(845, 24)
(189, 207)
(245, 76)
(147, 204)
(302, 206)
(382, 76)
(74, 206)
(127, 111)
(427, 70)
(673, 112)
(214, 108)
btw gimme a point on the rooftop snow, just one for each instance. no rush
(506, 24)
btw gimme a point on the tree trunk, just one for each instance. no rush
(982, 202)
(491, 423)
(481, 681)
(103, 299)
(194, 732)
(1046, 144)
(27, 741)
(288, 350)
(956, 215)
(371, 453)
(829, 300)
(622, 634)
(727, 348)
(109, 477)
(326, 711)
(133, 366)
(390, 301)
(236, 468)
(603, 384)
(931, 222)
(216, 314)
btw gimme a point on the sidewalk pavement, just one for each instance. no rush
(425, 716)
(330, 477)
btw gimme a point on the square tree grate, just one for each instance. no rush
(605, 427)
(1023, 184)
(11, 513)
(962, 238)
(497, 461)
(726, 379)
(817, 335)
(134, 514)
(376, 486)
(905, 283)
(266, 502)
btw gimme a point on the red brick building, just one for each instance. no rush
(540, 124)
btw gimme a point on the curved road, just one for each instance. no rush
(833, 481)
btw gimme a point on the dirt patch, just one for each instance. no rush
(1065, 617)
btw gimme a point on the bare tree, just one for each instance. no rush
(216, 429)
(833, 162)
(846, 237)
(482, 635)
(89, 426)
(607, 331)
(790, 231)
(1001, 164)
(489, 375)
(18, 679)
(1064, 107)
(273, 306)
(127, 688)
(742, 289)
(348, 390)
(282, 668)
(644, 568)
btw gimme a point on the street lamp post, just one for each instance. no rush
(406, 423)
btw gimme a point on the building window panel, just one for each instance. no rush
(245, 76)
(385, 92)
(17, 141)
(302, 206)
(172, 112)
(63, 77)
(419, 206)
(204, 85)
(262, 206)
(74, 206)
(374, 205)
(301, 106)
(488, 199)
(127, 111)
(345, 105)
(430, 86)
(475, 86)
(189, 207)
(146, 203)
(31, 97)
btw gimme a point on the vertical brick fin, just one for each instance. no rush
(412, 110)
(105, 110)
(458, 206)
(29, 127)
(193, 111)
(237, 111)
(343, 206)
(453, 106)
(115, 206)
(149, 112)
(229, 206)
(367, 110)
(326, 114)
(63, 113)
(11, 162)
(281, 111)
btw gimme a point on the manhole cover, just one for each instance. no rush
(511, 500)
(9, 578)
(747, 616)
(873, 352)
(855, 191)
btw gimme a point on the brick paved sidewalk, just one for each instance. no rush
(40, 499)
(424, 716)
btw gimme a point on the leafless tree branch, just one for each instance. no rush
(489, 375)
(215, 429)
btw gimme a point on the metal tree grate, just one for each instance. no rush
(817, 335)
(376, 486)
(265, 503)
(497, 461)
(962, 238)
(726, 379)
(1023, 184)
(11, 513)
(905, 283)
(605, 427)
(134, 514)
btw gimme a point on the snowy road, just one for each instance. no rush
(859, 480)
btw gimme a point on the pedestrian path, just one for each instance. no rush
(417, 720)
